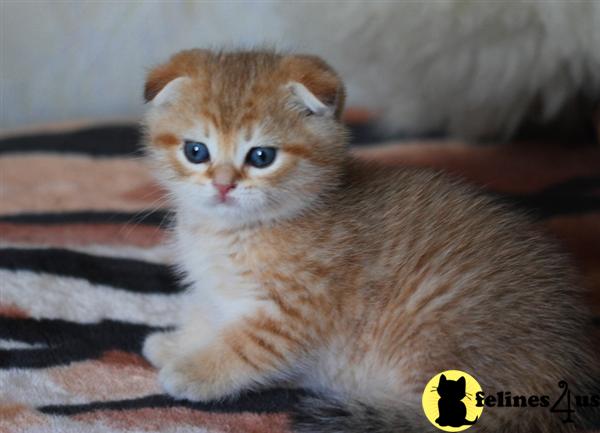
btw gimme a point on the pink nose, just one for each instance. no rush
(224, 189)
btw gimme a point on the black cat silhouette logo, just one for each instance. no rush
(449, 403)
(451, 408)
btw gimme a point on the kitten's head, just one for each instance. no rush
(245, 137)
(452, 389)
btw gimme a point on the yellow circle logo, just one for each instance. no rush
(449, 401)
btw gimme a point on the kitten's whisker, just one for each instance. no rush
(139, 216)
(134, 221)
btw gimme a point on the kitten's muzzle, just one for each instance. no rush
(224, 179)
(223, 189)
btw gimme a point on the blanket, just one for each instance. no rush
(85, 275)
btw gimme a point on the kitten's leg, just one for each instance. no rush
(240, 358)
(160, 348)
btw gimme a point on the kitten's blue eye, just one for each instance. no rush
(261, 157)
(196, 152)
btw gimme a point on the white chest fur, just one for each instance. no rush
(222, 289)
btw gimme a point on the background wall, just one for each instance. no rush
(472, 68)
(65, 60)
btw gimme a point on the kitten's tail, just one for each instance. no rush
(328, 415)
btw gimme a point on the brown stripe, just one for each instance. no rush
(83, 234)
(13, 312)
(15, 417)
(357, 116)
(159, 419)
(104, 379)
(148, 192)
(66, 126)
(516, 168)
(120, 358)
(44, 183)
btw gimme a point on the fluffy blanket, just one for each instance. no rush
(84, 275)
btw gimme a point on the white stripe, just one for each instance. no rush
(67, 385)
(13, 344)
(46, 296)
(157, 254)
(65, 424)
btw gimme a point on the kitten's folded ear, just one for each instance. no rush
(161, 83)
(316, 85)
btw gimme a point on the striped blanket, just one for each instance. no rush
(84, 275)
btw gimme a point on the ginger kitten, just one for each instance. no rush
(357, 282)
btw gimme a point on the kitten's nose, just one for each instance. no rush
(224, 179)
(224, 188)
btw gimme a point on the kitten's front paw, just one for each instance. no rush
(176, 382)
(180, 380)
(159, 348)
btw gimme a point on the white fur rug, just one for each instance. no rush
(473, 68)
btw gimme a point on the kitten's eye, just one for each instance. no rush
(196, 152)
(261, 157)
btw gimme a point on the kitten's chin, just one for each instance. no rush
(224, 201)
(233, 214)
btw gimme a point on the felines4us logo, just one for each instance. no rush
(454, 401)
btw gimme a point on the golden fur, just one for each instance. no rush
(355, 281)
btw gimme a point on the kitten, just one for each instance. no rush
(357, 282)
